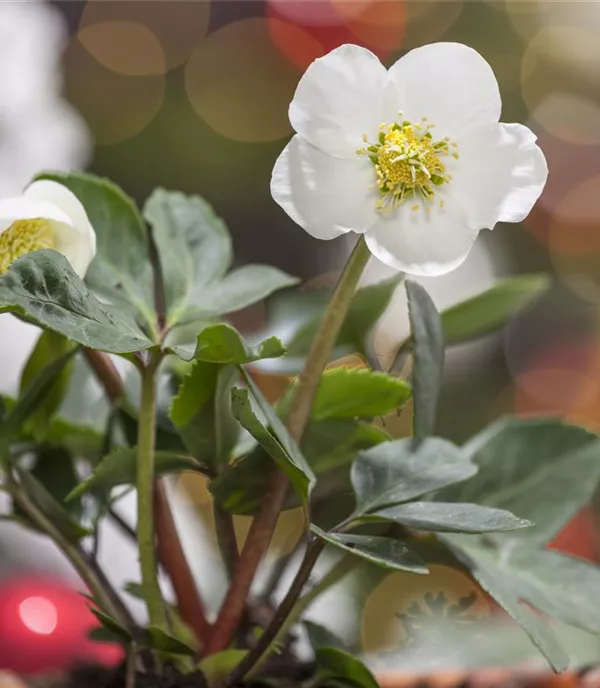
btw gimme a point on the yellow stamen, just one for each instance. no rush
(23, 237)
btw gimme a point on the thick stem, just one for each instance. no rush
(263, 525)
(106, 373)
(172, 556)
(145, 489)
(285, 608)
(226, 539)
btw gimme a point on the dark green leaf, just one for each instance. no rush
(46, 503)
(193, 244)
(319, 636)
(326, 445)
(104, 635)
(449, 517)
(202, 412)
(274, 439)
(354, 392)
(218, 666)
(55, 470)
(157, 639)
(240, 288)
(121, 271)
(223, 344)
(395, 472)
(383, 551)
(35, 393)
(491, 310)
(543, 470)
(294, 316)
(428, 357)
(119, 468)
(43, 287)
(481, 564)
(49, 348)
(336, 664)
(111, 625)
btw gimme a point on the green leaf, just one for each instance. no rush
(383, 551)
(493, 580)
(202, 412)
(121, 272)
(157, 639)
(55, 470)
(239, 289)
(332, 443)
(543, 470)
(274, 439)
(446, 517)
(491, 310)
(193, 245)
(326, 445)
(119, 468)
(354, 392)
(428, 357)
(294, 317)
(49, 347)
(43, 287)
(395, 472)
(46, 503)
(222, 343)
(336, 664)
(217, 667)
(320, 636)
(111, 625)
(35, 394)
(104, 635)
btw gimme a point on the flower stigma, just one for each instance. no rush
(408, 163)
(22, 237)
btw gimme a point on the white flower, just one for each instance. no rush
(413, 157)
(47, 215)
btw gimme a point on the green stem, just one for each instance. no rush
(145, 489)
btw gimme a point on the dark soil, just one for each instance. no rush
(99, 677)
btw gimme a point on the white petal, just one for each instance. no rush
(421, 243)
(326, 196)
(450, 84)
(500, 174)
(79, 245)
(341, 96)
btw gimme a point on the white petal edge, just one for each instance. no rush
(420, 243)
(340, 97)
(326, 196)
(78, 246)
(450, 84)
(500, 175)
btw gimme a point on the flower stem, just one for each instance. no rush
(263, 524)
(145, 488)
(226, 539)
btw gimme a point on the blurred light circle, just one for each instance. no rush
(240, 84)
(179, 27)
(555, 80)
(381, 627)
(39, 615)
(527, 17)
(580, 273)
(380, 25)
(125, 47)
(427, 22)
(318, 12)
(117, 107)
(294, 43)
(575, 228)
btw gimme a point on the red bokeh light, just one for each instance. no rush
(44, 625)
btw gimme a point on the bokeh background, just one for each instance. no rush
(193, 95)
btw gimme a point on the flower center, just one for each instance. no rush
(408, 163)
(22, 237)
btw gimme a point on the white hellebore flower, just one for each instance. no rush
(413, 157)
(47, 215)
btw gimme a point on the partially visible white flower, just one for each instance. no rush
(47, 215)
(415, 157)
(38, 128)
